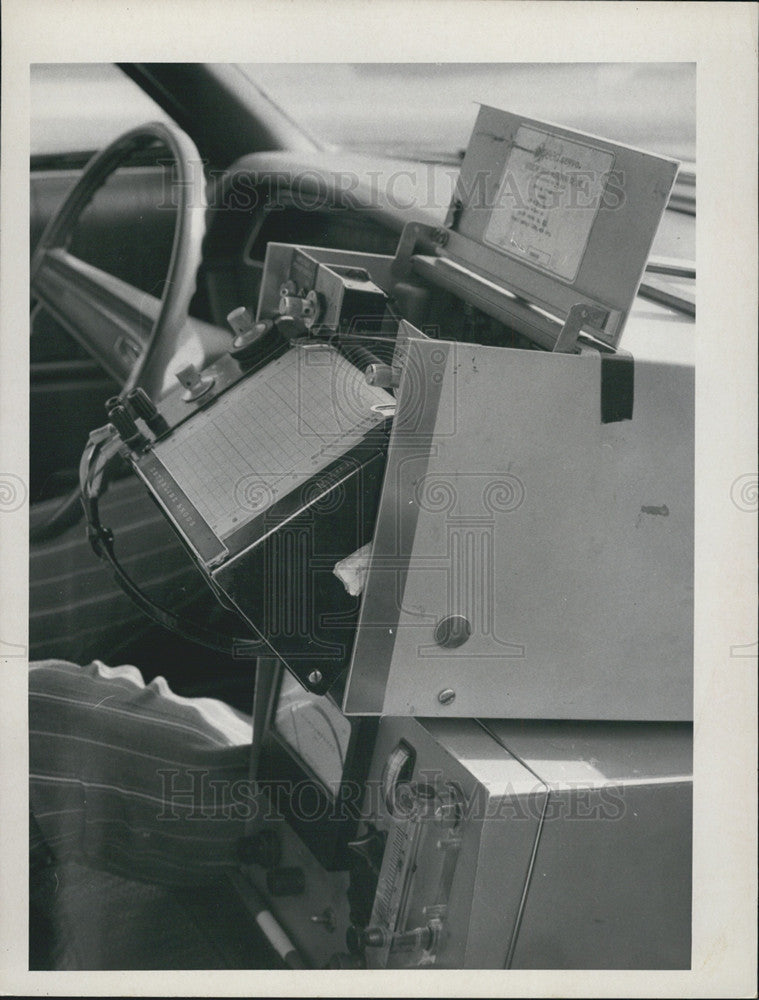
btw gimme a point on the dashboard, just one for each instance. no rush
(351, 203)
(344, 201)
(357, 204)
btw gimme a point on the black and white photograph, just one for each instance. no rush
(372, 585)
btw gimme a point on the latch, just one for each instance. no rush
(579, 316)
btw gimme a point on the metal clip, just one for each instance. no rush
(578, 316)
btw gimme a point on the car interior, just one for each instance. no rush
(158, 251)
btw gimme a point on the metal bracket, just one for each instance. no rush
(579, 315)
(414, 234)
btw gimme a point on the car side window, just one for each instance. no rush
(79, 108)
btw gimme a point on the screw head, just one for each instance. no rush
(315, 677)
(446, 696)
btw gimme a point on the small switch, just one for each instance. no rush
(196, 385)
(326, 918)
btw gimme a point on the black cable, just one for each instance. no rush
(93, 481)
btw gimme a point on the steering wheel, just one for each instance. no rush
(132, 334)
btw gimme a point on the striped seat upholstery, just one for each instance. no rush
(76, 610)
(133, 778)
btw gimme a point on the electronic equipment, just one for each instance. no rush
(269, 462)
(538, 565)
(489, 830)
(560, 219)
(270, 484)
(493, 845)
(462, 518)
(540, 561)
(339, 297)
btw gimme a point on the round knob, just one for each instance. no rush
(241, 320)
(125, 426)
(381, 375)
(244, 344)
(196, 384)
(304, 308)
(291, 305)
(142, 404)
(375, 937)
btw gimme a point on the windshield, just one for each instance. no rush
(410, 110)
(427, 110)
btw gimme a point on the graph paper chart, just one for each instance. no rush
(270, 434)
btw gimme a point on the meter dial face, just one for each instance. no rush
(315, 729)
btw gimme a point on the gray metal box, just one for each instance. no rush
(572, 850)
(560, 530)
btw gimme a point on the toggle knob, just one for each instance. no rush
(125, 426)
(247, 331)
(326, 918)
(143, 406)
(263, 848)
(240, 320)
(305, 309)
(195, 384)
(286, 881)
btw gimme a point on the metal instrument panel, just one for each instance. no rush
(565, 542)
(471, 876)
(574, 846)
